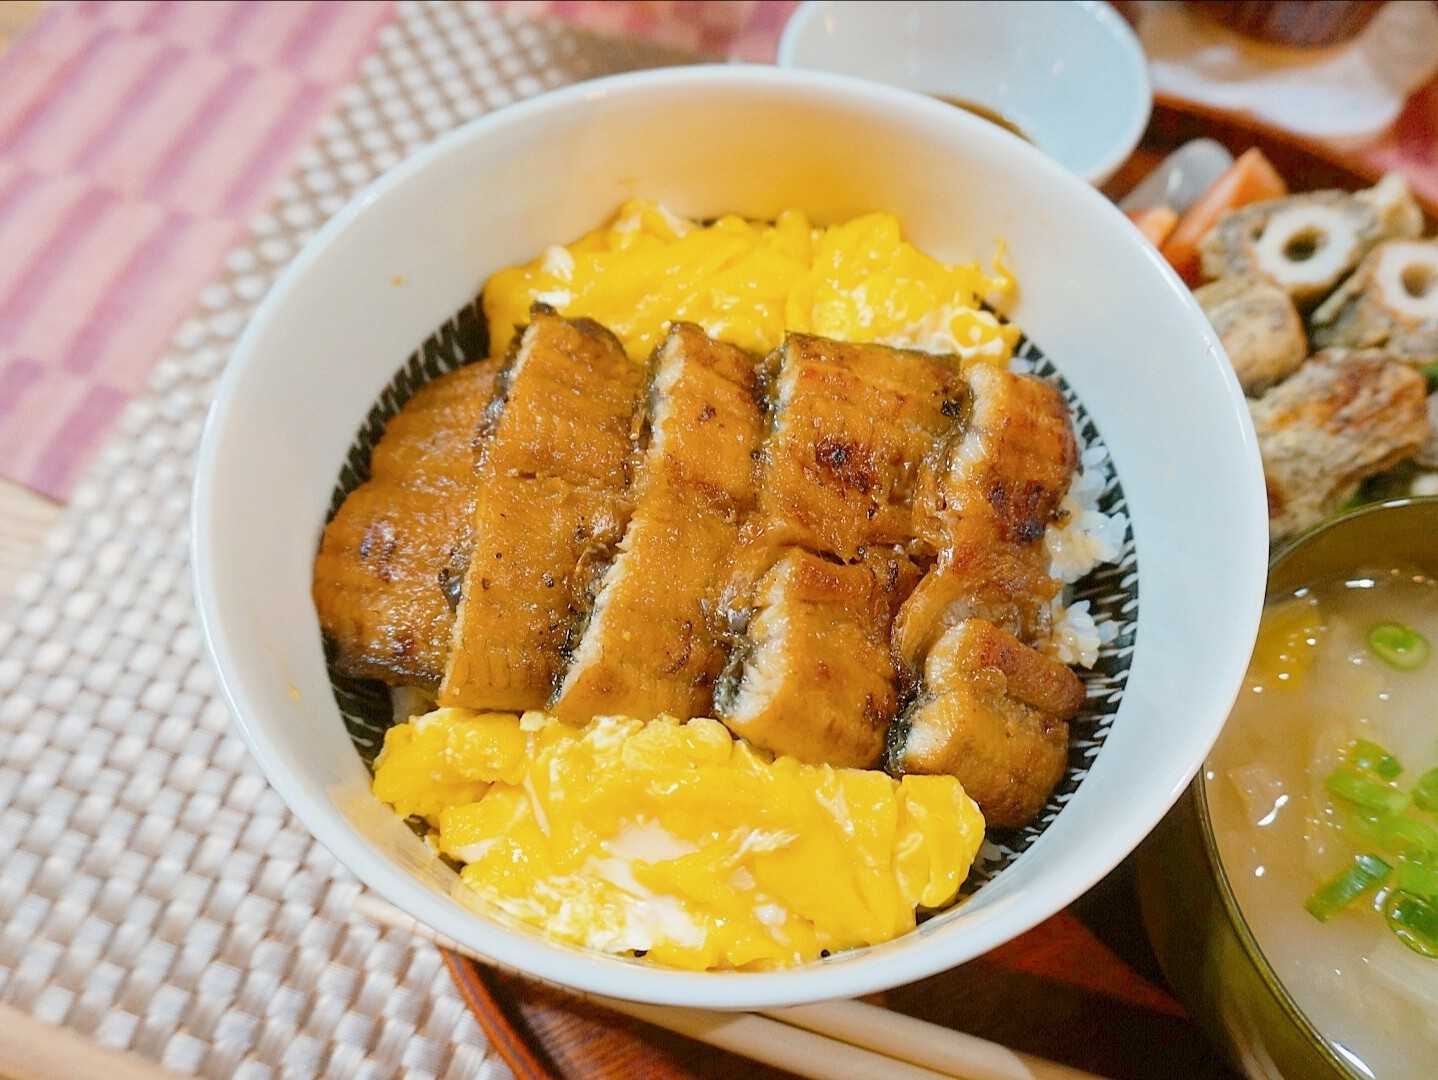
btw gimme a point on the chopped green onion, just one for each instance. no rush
(1393, 832)
(1407, 834)
(1398, 646)
(1374, 758)
(1364, 827)
(1425, 792)
(1333, 896)
(1430, 372)
(1414, 921)
(1418, 878)
(1348, 783)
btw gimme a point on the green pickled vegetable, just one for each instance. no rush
(1425, 792)
(1414, 921)
(1398, 646)
(1333, 896)
(1416, 877)
(1374, 758)
(1348, 783)
(1430, 372)
(1407, 834)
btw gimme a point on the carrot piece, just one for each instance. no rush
(1252, 178)
(1155, 223)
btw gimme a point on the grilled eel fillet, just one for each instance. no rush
(983, 504)
(816, 681)
(851, 425)
(822, 564)
(554, 499)
(991, 710)
(1003, 468)
(399, 538)
(652, 645)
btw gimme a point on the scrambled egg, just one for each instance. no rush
(676, 840)
(747, 282)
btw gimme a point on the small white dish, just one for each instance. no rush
(414, 247)
(1070, 74)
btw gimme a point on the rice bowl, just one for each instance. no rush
(270, 446)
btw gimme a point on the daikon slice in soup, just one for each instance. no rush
(1323, 794)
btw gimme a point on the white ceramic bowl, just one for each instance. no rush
(1123, 329)
(1069, 73)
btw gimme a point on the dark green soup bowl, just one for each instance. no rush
(1203, 942)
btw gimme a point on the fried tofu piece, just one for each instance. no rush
(653, 644)
(553, 501)
(1391, 303)
(1342, 417)
(1306, 244)
(1002, 472)
(1259, 327)
(387, 573)
(851, 425)
(813, 678)
(994, 713)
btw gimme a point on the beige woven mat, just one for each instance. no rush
(155, 895)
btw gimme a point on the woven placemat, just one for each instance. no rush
(155, 895)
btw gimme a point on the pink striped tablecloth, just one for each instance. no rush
(738, 29)
(136, 139)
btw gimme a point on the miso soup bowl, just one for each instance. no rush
(418, 244)
(1198, 930)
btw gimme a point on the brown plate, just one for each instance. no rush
(1082, 988)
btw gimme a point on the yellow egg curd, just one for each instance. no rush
(748, 282)
(675, 840)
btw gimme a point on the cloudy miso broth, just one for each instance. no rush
(1326, 812)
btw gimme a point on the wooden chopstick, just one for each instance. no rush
(834, 1038)
(31, 1049)
(907, 1038)
(752, 1036)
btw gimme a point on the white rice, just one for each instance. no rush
(1077, 638)
(1087, 538)
(409, 702)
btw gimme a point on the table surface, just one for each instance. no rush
(24, 516)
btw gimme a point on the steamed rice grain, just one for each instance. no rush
(1086, 539)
